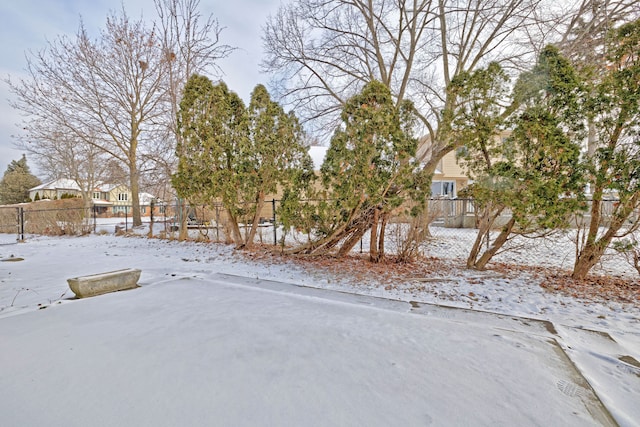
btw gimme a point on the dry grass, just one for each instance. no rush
(386, 274)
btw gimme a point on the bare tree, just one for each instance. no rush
(322, 52)
(110, 92)
(325, 51)
(61, 155)
(583, 39)
(191, 44)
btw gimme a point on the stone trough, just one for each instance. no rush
(103, 283)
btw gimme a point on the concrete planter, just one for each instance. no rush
(97, 284)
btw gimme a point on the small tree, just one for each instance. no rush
(235, 154)
(16, 182)
(534, 174)
(614, 167)
(213, 125)
(191, 42)
(301, 201)
(275, 154)
(367, 173)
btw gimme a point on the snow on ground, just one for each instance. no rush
(213, 338)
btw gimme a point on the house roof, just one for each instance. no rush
(106, 188)
(146, 198)
(72, 185)
(58, 184)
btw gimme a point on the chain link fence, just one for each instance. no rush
(452, 231)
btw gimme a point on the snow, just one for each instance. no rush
(214, 338)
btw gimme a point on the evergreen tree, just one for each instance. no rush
(213, 128)
(235, 154)
(16, 182)
(367, 173)
(614, 167)
(535, 172)
(275, 154)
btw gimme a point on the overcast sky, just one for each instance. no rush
(26, 25)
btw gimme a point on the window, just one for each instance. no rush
(443, 189)
(123, 197)
(96, 195)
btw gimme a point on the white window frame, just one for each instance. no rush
(449, 185)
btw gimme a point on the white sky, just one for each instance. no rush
(26, 25)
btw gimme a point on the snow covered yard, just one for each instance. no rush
(214, 338)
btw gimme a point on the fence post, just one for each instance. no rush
(275, 233)
(95, 217)
(217, 223)
(21, 222)
(126, 211)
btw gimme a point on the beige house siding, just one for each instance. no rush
(449, 171)
(451, 168)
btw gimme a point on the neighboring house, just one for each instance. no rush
(55, 190)
(116, 199)
(112, 197)
(449, 178)
(108, 199)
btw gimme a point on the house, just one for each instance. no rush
(115, 199)
(449, 177)
(107, 199)
(56, 189)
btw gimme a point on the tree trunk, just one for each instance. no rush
(235, 229)
(495, 247)
(322, 246)
(248, 244)
(383, 228)
(374, 256)
(135, 194)
(352, 230)
(485, 224)
(183, 233)
(592, 141)
(589, 254)
(354, 237)
(594, 248)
